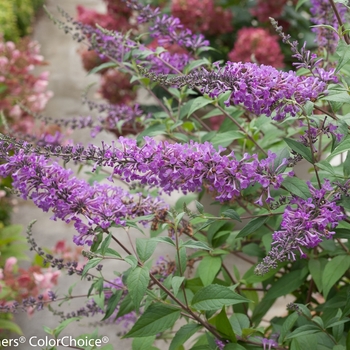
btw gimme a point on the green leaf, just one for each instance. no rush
(167, 240)
(199, 207)
(224, 139)
(214, 297)
(299, 148)
(333, 271)
(156, 319)
(316, 267)
(10, 326)
(105, 244)
(137, 283)
(280, 156)
(232, 214)
(195, 245)
(324, 165)
(143, 343)
(90, 264)
(341, 148)
(183, 334)
(346, 166)
(297, 187)
(337, 96)
(300, 2)
(252, 226)
(102, 66)
(111, 252)
(154, 130)
(198, 103)
(302, 331)
(182, 264)
(126, 306)
(239, 322)
(195, 64)
(145, 248)
(224, 326)
(131, 260)
(57, 331)
(208, 268)
(287, 325)
(112, 303)
(176, 284)
(288, 283)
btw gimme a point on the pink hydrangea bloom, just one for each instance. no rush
(202, 16)
(257, 45)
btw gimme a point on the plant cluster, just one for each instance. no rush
(16, 18)
(292, 231)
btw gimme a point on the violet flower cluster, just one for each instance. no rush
(52, 187)
(305, 224)
(115, 45)
(260, 89)
(167, 28)
(169, 166)
(323, 14)
(190, 166)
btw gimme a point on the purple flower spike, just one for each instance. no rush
(305, 224)
(52, 187)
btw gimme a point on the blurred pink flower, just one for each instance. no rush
(257, 45)
(202, 16)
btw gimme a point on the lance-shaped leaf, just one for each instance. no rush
(215, 296)
(156, 319)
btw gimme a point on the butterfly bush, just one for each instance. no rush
(52, 187)
(260, 89)
(236, 133)
(322, 14)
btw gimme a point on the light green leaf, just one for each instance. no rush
(183, 334)
(176, 284)
(90, 264)
(137, 283)
(102, 66)
(346, 166)
(10, 326)
(300, 2)
(324, 165)
(145, 248)
(195, 245)
(287, 325)
(131, 260)
(208, 268)
(286, 284)
(333, 271)
(112, 303)
(232, 214)
(167, 240)
(337, 96)
(105, 244)
(156, 319)
(342, 147)
(224, 326)
(252, 226)
(297, 187)
(239, 322)
(143, 343)
(224, 139)
(198, 103)
(57, 331)
(299, 148)
(214, 297)
(316, 267)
